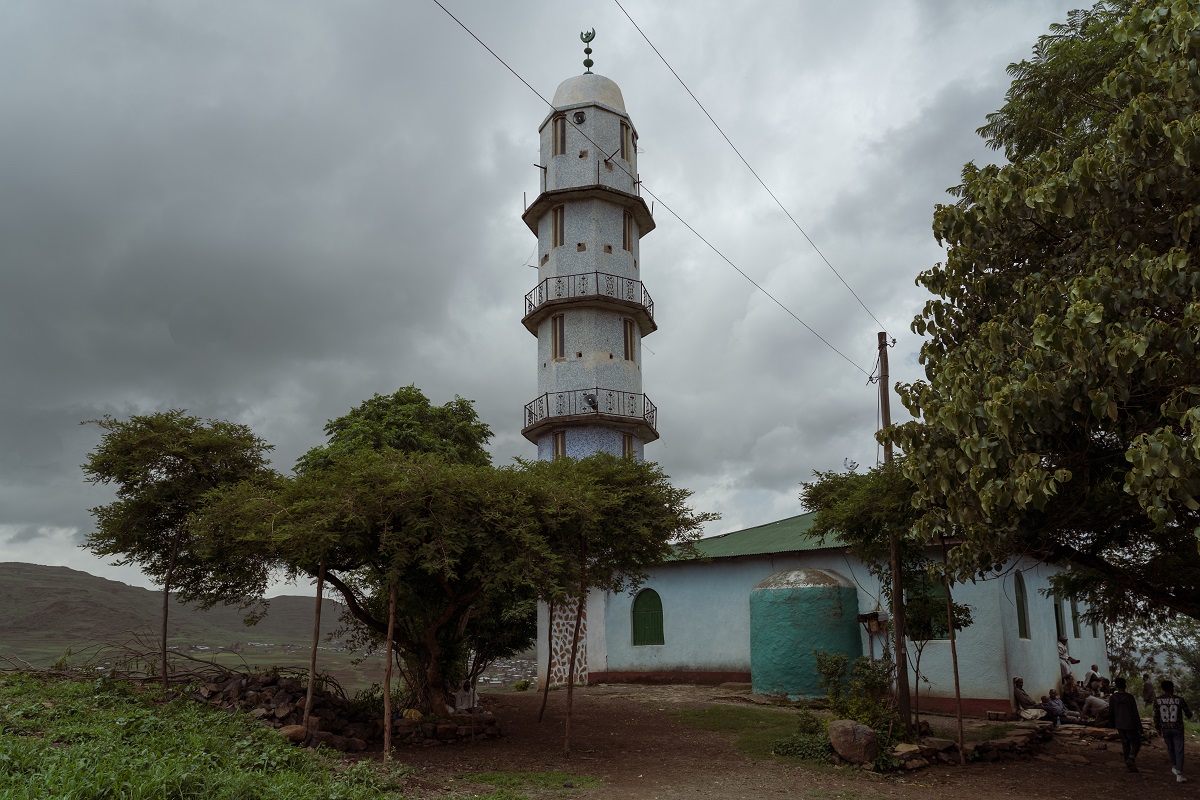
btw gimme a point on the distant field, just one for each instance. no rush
(48, 611)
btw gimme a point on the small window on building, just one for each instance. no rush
(627, 232)
(558, 224)
(925, 609)
(1022, 605)
(626, 141)
(1075, 618)
(559, 135)
(647, 618)
(626, 444)
(558, 337)
(1060, 624)
(1095, 631)
(559, 441)
(630, 341)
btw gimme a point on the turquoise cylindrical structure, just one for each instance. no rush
(793, 613)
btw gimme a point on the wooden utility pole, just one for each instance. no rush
(903, 706)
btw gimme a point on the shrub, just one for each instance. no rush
(522, 685)
(810, 741)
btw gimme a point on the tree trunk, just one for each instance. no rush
(549, 659)
(166, 604)
(571, 673)
(316, 639)
(962, 758)
(387, 677)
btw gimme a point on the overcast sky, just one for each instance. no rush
(268, 211)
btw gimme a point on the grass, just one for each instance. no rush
(508, 783)
(756, 729)
(86, 741)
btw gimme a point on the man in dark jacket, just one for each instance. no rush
(1123, 710)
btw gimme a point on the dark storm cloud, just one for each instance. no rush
(267, 212)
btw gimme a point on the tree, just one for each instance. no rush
(164, 466)
(865, 511)
(607, 519)
(1060, 411)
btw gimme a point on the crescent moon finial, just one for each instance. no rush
(586, 38)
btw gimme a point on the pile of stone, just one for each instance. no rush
(279, 702)
(455, 728)
(1020, 743)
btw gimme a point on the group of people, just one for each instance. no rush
(1096, 702)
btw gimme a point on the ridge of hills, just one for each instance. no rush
(49, 609)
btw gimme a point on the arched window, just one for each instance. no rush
(1022, 605)
(647, 618)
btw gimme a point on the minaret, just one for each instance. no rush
(590, 309)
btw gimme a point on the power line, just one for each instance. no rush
(659, 200)
(747, 163)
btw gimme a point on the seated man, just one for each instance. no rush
(1074, 695)
(1056, 710)
(1095, 711)
(1092, 673)
(1026, 708)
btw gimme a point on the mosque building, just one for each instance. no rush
(761, 600)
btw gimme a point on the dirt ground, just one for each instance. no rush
(625, 736)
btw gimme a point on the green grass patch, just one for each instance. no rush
(531, 780)
(756, 729)
(89, 740)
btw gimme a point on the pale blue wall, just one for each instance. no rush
(706, 623)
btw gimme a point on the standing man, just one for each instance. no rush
(1147, 691)
(1064, 658)
(1125, 718)
(1169, 712)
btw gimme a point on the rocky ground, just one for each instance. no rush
(626, 736)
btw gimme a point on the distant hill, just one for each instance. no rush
(44, 610)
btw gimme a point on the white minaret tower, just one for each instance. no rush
(590, 309)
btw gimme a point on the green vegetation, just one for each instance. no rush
(1059, 416)
(810, 741)
(531, 780)
(85, 741)
(757, 729)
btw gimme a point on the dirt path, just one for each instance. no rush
(625, 736)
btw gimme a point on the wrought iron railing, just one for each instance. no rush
(580, 402)
(589, 284)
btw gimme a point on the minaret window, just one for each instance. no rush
(626, 141)
(558, 223)
(630, 341)
(627, 232)
(559, 441)
(559, 132)
(626, 444)
(558, 339)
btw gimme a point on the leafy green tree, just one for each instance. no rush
(1060, 409)
(864, 511)
(607, 519)
(164, 465)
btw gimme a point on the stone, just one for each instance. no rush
(283, 710)
(915, 763)
(1073, 758)
(853, 741)
(904, 749)
(294, 733)
(939, 744)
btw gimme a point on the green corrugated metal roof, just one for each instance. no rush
(782, 536)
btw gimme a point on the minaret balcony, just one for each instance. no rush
(612, 408)
(596, 289)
